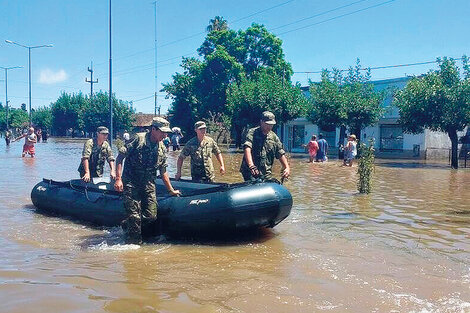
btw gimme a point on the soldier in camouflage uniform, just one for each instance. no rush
(261, 146)
(144, 154)
(200, 148)
(95, 153)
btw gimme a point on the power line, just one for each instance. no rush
(379, 67)
(337, 17)
(317, 15)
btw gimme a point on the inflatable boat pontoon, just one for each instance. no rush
(202, 208)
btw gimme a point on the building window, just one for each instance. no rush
(391, 137)
(296, 137)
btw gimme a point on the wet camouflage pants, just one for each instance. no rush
(140, 203)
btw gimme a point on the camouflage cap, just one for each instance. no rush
(199, 125)
(102, 130)
(268, 118)
(162, 124)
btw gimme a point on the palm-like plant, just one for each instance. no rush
(218, 23)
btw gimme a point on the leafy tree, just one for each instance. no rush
(18, 118)
(23, 106)
(347, 102)
(265, 91)
(82, 113)
(42, 118)
(184, 109)
(67, 112)
(439, 101)
(228, 58)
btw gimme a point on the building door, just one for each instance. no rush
(391, 137)
(298, 137)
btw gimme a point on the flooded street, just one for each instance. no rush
(405, 247)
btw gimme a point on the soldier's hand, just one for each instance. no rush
(118, 186)
(86, 177)
(178, 176)
(222, 170)
(254, 171)
(286, 173)
(174, 192)
(113, 175)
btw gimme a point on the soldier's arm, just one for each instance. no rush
(123, 151)
(110, 159)
(218, 155)
(179, 165)
(169, 187)
(285, 166)
(85, 159)
(221, 161)
(281, 155)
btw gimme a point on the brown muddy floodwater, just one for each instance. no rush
(403, 248)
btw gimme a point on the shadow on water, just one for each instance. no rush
(116, 236)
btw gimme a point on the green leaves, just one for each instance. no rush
(82, 113)
(350, 101)
(241, 74)
(438, 100)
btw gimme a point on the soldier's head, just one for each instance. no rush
(160, 128)
(200, 129)
(267, 122)
(102, 133)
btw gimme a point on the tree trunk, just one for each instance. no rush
(455, 144)
(238, 131)
(342, 135)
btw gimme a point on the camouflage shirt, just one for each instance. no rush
(263, 151)
(143, 159)
(96, 155)
(201, 157)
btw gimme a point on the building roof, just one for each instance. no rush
(143, 119)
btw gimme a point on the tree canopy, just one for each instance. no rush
(345, 102)
(231, 63)
(439, 101)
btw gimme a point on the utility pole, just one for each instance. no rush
(6, 89)
(91, 81)
(156, 85)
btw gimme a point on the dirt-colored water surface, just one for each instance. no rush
(405, 247)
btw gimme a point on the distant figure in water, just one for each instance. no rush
(322, 149)
(350, 151)
(312, 148)
(30, 139)
(8, 137)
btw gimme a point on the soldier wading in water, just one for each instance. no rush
(144, 154)
(200, 148)
(95, 153)
(261, 146)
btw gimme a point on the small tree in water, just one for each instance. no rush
(365, 167)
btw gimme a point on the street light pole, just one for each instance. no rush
(6, 89)
(110, 83)
(29, 65)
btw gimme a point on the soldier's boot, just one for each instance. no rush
(133, 231)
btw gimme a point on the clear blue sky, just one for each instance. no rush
(393, 32)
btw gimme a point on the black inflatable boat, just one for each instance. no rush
(202, 208)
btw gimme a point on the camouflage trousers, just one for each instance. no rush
(140, 203)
